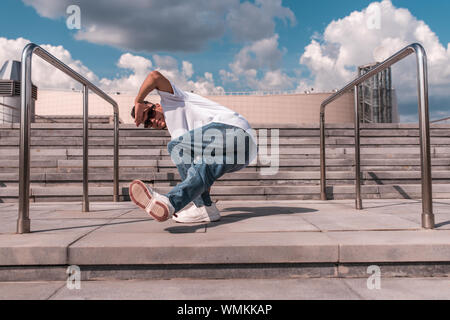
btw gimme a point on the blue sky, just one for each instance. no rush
(283, 61)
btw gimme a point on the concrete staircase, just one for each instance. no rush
(390, 163)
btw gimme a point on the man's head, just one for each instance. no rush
(153, 116)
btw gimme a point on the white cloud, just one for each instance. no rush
(257, 66)
(332, 58)
(140, 68)
(135, 63)
(348, 43)
(254, 21)
(168, 66)
(44, 75)
(179, 25)
(261, 54)
(176, 25)
(187, 68)
(275, 80)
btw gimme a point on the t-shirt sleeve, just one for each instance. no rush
(177, 93)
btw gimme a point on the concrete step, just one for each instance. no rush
(158, 141)
(243, 177)
(260, 163)
(254, 239)
(162, 150)
(285, 192)
(299, 130)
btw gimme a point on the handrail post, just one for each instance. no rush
(358, 201)
(85, 148)
(424, 128)
(23, 221)
(116, 158)
(323, 173)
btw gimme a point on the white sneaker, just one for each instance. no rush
(156, 205)
(195, 215)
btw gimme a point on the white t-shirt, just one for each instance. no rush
(186, 111)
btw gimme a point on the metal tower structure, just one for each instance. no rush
(377, 97)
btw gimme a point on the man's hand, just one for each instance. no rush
(139, 110)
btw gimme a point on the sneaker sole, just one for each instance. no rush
(179, 219)
(141, 196)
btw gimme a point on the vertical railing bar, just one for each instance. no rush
(116, 158)
(23, 221)
(323, 172)
(85, 149)
(424, 125)
(358, 201)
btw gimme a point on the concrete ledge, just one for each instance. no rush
(146, 249)
(197, 271)
(131, 248)
(35, 248)
(297, 238)
(393, 246)
(222, 271)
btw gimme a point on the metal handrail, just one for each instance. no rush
(424, 127)
(440, 120)
(23, 222)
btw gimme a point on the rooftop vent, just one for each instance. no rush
(10, 90)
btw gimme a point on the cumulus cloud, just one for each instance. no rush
(254, 21)
(333, 57)
(168, 66)
(257, 66)
(44, 75)
(177, 25)
(180, 25)
(140, 68)
(258, 55)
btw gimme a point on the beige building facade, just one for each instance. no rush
(257, 109)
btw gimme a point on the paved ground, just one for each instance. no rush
(238, 217)
(264, 289)
(386, 231)
(282, 231)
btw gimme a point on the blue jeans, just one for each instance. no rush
(204, 155)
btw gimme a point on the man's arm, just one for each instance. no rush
(155, 80)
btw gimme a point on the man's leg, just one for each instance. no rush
(183, 167)
(209, 165)
(201, 175)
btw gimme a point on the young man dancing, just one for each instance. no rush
(208, 141)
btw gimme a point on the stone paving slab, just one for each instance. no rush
(52, 226)
(29, 290)
(148, 225)
(282, 223)
(402, 288)
(360, 221)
